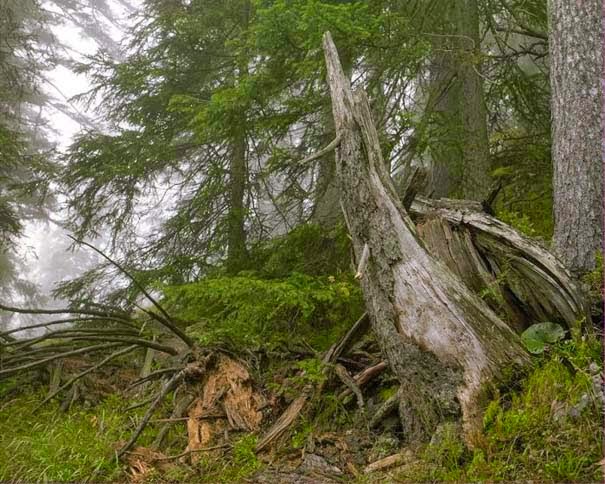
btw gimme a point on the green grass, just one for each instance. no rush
(46, 444)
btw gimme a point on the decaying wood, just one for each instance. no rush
(228, 387)
(59, 388)
(389, 461)
(365, 376)
(289, 416)
(516, 274)
(351, 385)
(56, 371)
(442, 341)
(285, 420)
(190, 371)
(180, 408)
(411, 181)
(385, 410)
(188, 452)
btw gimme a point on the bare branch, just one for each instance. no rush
(154, 375)
(88, 312)
(168, 387)
(65, 321)
(21, 344)
(324, 151)
(79, 351)
(166, 320)
(137, 341)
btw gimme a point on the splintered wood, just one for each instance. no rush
(143, 461)
(227, 401)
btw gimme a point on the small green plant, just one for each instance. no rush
(308, 249)
(521, 222)
(387, 392)
(301, 434)
(550, 429)
(446, 453)
(313, 371)
(242, 463)
(244, 454)
(547, 428)
(594, 282)
(538, 336)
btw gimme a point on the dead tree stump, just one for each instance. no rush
(444, 344)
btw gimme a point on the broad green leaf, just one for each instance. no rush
(537, 336)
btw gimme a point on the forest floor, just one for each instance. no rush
(546, 426)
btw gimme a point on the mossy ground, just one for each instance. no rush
(549, 427)
(546, 426)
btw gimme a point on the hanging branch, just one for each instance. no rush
(137, 341)
(22, 344)
(324, 151)
(100, 336)
(4, 334)
(88, 312)
(79, 351)
(166, 320)
(153, 376)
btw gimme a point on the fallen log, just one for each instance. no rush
(443, 343)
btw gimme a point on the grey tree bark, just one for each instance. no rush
(575, 75)
(516, 276)
(442, 342)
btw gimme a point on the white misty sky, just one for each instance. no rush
(45, 245)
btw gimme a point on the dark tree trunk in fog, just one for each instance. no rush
(327, 209)
(475, 146)
(442, 342)
(238, 170)
(459, 141)
(576, 69)
(445, 153)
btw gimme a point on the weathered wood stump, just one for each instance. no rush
(445, 345)
(518, 277)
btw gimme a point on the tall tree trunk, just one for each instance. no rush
(327, 211)
(444, 142)
(442, 107)
(575, 75)
(475, 145)
(459, 146)
(238, 167)
(442, 342)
